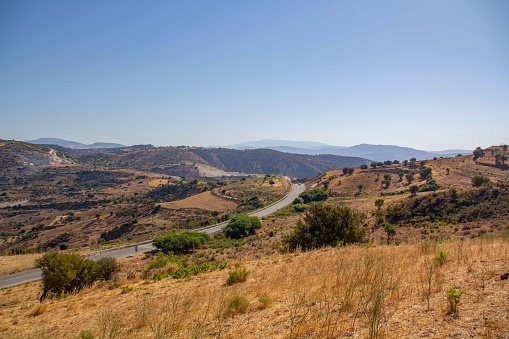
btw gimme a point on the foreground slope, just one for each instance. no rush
(355, 291)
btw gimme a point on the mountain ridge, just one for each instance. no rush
(73, 144)
(367, 151)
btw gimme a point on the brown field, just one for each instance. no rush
(205, 200)
(10, 264)
(461, 170)
(158, 182)
(356, 291)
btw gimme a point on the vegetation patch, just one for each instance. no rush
(326, 225)
(450, 207)
(182, 242)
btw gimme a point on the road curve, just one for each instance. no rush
(35, 274)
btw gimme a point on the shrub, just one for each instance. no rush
(182, 242)
(241, 226)
(65, 273)
(264, 301)
(314, 195)
(326, 225)
(237, 276)
(441, 257)
(107, 268)
(300, 207)
(298, 200)
(238, 304)
(479, 180)
(454, 298)
(86, 335)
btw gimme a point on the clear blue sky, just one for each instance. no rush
(425, 74)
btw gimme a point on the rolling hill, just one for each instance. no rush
(367, 151)
(73, 144)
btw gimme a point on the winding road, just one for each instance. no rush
(35, 274)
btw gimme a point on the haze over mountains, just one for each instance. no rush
(366, 151)
(73, 144)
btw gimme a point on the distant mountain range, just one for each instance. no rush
(73, 144)
(367, 151)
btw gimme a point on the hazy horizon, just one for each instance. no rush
(429, 75)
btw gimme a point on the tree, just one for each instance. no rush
(363, 167)
(405, 162)
(326, 225)
(396, 162)
(478, 152)
(479, 180)
(373, 164)
(379, 203)
(401, 175)
(409, 177)
(391, 232)
(348, 170)
(65, 272)
(424, 172)
(414, 189)
(241, 226)
(360, 187)
(182, 242)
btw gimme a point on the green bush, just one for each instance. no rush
(479, 180)
(300, 207)
(237, 276)
(317, 194)
(107, 268)
(326, 225)
(454, 298)
(441, 257)
(298, 200)
(241, 226)
(182, 242)
(64, 273)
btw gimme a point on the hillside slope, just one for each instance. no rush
(355, 291)
(183, 160)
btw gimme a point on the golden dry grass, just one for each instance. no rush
(206, 201)
(353, 292)
(158, 182)
(10, 264)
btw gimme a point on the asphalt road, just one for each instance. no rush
(35, 274)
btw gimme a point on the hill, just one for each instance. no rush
(451, 236)
(367, 151)
(73, 144)
(357, 291)
(185, 161)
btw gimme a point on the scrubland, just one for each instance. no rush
(354, 291)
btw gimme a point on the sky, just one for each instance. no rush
(431, 75)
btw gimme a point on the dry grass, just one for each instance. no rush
(10, 264)
(330, 293)
(158, 182)
(206, 201)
